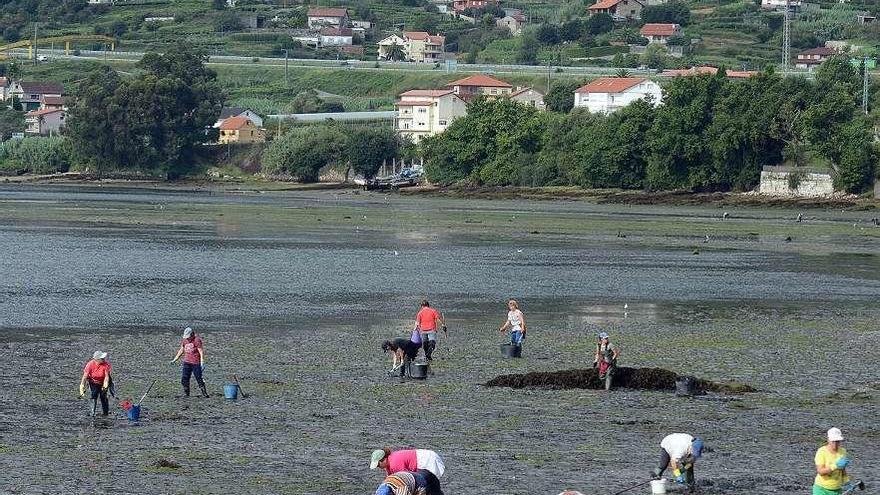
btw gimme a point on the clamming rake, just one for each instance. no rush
(633, 487)
(860, 485)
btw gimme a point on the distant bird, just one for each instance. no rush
(788, 239)
(875, 221)
(706, 239)
(725, 216)
(696, 251)
(800, 217)
(396, 253)
(364, 217)
(625, 306)
(519, 250)
(622, 236)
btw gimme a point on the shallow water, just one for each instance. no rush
(293, 291)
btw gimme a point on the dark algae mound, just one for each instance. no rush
(635, 378)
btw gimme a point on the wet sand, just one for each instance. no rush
(293, 291)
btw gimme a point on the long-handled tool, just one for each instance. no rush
(146, 392)
(237, 384)
(860, 485)
(633, 487)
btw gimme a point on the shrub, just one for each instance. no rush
(37, 155)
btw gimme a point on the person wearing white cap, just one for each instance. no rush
(831, 462)
(96, 374)
(606, 359)
(193, 361)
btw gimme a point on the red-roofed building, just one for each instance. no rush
(660, 33)
(334, 36)
(420, 46)
(327, 17)
(480, 85)
(608, 94)
(31, 93)
(618, 9)
(240, 130)
(426, 112)
(44, 122)
(812, 58)
(462, 5)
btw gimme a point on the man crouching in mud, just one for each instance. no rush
(679, 452)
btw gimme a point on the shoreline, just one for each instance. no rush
(562, 193)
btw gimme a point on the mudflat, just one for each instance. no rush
(293, 291)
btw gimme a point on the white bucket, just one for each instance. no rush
(658, 487)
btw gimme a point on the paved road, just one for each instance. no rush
(350, 64)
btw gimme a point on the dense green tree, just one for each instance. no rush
(547, 34)
(10, 122)
(672, 12)
(560, 98)
(599, 24)
(302, 152)
(367, 148)
(228, 21)
(528, 49)
(570, 30)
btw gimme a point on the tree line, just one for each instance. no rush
(710, 134)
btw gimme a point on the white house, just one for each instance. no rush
(660, 33)
(5, 88)
(336, 36)
(417, 46)
(425, 112)
(327, 17)
(780, 4)
(229, 112)
(607, 94)
(530, 97)
(386, 44)
(45, 122)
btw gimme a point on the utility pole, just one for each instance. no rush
(548, 74)
(35, 42)
(286, 80)
(865, 83)
(786, 38)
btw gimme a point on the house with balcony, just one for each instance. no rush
(30, 93)
(462, 5)
(608, 94)
(423, 47)
(321, 17)
(331, 36)
(812, 58)
(659, 33)
(44, 122)
(426, 112)
(619, 10)
(480, 85)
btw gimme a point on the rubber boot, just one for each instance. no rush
(204, 391)
(655, 474)
(186, 391)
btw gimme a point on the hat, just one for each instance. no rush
(603, 335)
(697, 447)
(187, 332)
(375, 457)
(834, 435)
(103, 355)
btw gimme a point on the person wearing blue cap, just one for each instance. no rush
(606, 359)
(679, 452)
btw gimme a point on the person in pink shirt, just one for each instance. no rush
(96, 374)
(193, 361)
(426, 323)
(422, 462)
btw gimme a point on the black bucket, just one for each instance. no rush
(418, 371)
(685, 386)
(511, 351)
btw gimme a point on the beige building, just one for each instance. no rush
(660, 33)
(479, 85)
(418, 46)
(514, 23)
(620, 10)
(327, 17)
(426, 112)
(45, 122)
(240, 130)
(529, 97)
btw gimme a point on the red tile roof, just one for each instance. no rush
(331, 31)
(819, 50)
(696, 71)
(41, 88)
(416, 35)
(481, 81)
(3, 81)
(659, 29)
(433, 93)
(604, 4)
(325, 12)
(235, 123)
(741, 74)
(52, 100)
(611, 85)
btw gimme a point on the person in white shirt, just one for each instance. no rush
(516, 323)
(679, 452)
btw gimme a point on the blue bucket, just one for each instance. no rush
(230, 391)
(134, 413)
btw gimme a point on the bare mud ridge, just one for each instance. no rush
(633, 378)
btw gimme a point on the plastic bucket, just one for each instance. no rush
(511, 351)
(230, 391)
(658, 487)
(685, 386)
(418, 371)
(134, 413)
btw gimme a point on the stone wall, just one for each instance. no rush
(812, 184)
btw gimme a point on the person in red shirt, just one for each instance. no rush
(193, 361)
(426, 323)
(97, 375)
